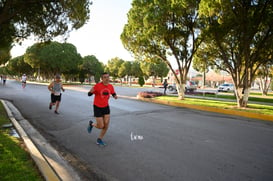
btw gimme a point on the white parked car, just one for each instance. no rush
(226, 88)
(190, 86)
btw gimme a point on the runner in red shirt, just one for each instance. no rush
(102, 92)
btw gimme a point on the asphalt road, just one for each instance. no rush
(149, 141)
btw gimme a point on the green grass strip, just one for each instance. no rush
(256, 108)
(15, 162)
(254, 97)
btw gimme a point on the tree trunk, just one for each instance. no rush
(245, 97)
(130, 81)
(204, 79)
(181, 91)
(264, 84)
(153, 84)
(264, 93)
(242, 96)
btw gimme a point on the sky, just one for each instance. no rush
(100, 36)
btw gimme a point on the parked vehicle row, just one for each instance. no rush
(190, 86)
(226, 88)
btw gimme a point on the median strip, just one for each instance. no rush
(211, 109)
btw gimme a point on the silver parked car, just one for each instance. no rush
(190, 86)
(226, 88)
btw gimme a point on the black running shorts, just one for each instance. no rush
(55, 98)
(101, 111)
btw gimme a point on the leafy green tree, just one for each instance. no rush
(265, 75)
(33, 54)
(161, 70)
(97, 77)
(154, 69)
(241, 33)
(147, 68)
(91, 66)
(141, 81)
(5, 47)
(44, 19)
(70, 60)
(203, 60)
(5, 71)
(81, 77)
(164, 29)
(113, 66)
(125, 70)
(17, 66)
(136, 70)
(53, 57)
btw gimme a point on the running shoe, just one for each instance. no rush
(56, 112)
(90, 126)
(50, 106)
(100, 142)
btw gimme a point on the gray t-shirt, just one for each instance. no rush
(57, 88)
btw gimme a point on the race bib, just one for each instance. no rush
(57, 93)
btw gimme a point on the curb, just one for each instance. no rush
(47, 172)
(51, 165)
(212, 109)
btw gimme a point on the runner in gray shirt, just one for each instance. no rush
(55, 88)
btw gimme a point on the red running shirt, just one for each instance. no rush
(102, 94)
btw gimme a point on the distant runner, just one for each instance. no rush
(4, 78)
(165, 85)
(102, 92)
(24, 80)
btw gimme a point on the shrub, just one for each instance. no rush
(141, 81)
